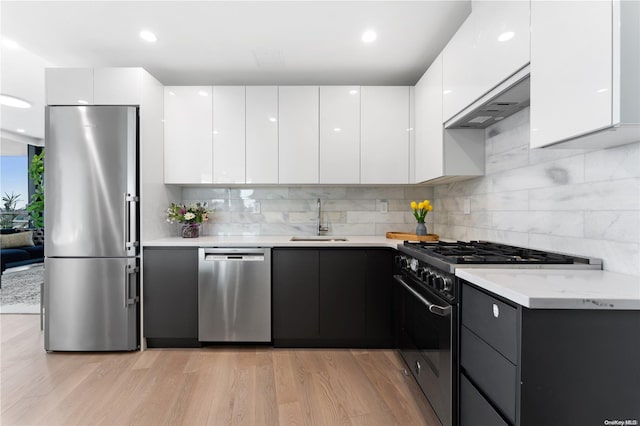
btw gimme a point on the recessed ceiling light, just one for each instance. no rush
(172, 93)
(604, 89)
(10, 43)
(506, 36)
(369, 36)
(446, 92)
(272, 119)
(337, 129)
(12, 101)
(147, 35)
(203, 93)
(20, 130)
(353, 92)
(83, 102)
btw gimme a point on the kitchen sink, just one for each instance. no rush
(318, 239)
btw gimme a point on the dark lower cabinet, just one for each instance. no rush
(537, 367)
(295, 289)
(171, 296)
(332, 298)
(342, 296)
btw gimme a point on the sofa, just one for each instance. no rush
(20, 248)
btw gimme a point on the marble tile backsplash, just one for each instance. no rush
(292, 210)
(573, 201)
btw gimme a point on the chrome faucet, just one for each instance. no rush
(319, 228)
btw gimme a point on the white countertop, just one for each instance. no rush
(559, 289)
(269, 241)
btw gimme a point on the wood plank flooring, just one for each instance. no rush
(208, 386)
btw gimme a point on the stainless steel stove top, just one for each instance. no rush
(484, 254)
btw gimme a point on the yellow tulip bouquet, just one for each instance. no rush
(421, 209)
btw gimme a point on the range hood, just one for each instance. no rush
(509, 97)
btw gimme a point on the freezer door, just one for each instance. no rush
(91, 304)
(91, 181)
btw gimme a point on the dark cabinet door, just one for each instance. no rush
(171, 296)
(342, 295)
(295, 287)
(333, 298)
(379, 298)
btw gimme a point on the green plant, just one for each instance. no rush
(421, 209)
(192, 213)
(9, 201)
(36, 206)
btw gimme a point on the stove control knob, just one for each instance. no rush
(402, 261)
(414, 265)
(438, 283)
(448, 285)
(431, 277)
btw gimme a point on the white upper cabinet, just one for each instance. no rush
(298, 134)
(228, 134)
(188, 142)
(585, 73)
(490, 46)
(117, 86)
(340, 134)
(440, 154)
(69, 86)
(428, 128)
(262, 134)
(385, 130)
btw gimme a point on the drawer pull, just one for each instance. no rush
(496, 310)
(418, 368)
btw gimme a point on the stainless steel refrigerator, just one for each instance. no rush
(91, 228)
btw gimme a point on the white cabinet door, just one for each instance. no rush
(429, 155)
(69, 86)
(340, 134)
(228, 134)
(117, 86)
(491, 45)
(262, 134)
(571, 69)
(188, 142)
(298, 130)
(384, 154)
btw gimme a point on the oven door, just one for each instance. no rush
(427, 343)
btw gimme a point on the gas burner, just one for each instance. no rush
(484, 252)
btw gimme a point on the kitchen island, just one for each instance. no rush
(547, 347)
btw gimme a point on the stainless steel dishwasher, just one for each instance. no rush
(234, 295)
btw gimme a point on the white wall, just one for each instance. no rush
(570, 201)
(155, 195)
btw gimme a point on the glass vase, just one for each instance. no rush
(421, 229)
(190, 230)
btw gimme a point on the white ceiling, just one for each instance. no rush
(222, 42)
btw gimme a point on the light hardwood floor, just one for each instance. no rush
(217, 386)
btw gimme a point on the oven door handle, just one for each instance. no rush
(443, 311)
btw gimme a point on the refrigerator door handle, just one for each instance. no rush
(128, 271)
(128, 244)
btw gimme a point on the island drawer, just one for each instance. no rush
(492, 320)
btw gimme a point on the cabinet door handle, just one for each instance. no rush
(496, 310)
(418, 368)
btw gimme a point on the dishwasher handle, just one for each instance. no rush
(233, 257)
(232, 254)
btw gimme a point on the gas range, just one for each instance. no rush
(434, 264)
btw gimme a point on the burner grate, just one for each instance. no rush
(483, 252)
